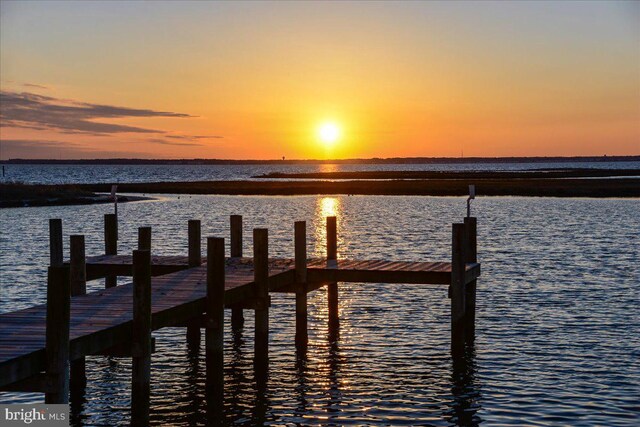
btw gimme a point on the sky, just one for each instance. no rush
(259, 80)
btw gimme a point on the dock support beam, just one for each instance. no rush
(237, 316)
(110, 244)
(195, 259)
(261, 294)
(302, 338)
(56, 257)
(141, 338)
(332, 288)
(78, 286)
(57, 334)
(470, 255)
(457, 289)
(214, 332)
(144, 238)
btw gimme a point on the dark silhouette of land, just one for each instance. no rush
(13, 195)
(528, 174)
(569, 187)
(539, 183)
(392, 160)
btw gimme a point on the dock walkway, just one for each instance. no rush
(181, 292)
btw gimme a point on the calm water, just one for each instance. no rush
(558, 339)
(58, 174)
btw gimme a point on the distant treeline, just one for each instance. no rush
(375, 160)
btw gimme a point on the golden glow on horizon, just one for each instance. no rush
(329, 133)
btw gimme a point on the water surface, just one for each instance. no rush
(558, 329)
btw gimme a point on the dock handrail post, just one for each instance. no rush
(471, 255)
(300, 243)
(457, 289)
(261, 294)
(332, 288)
(57, 334)
(56, 257)
(144, 238)
(214, 328)
(78, 286)
(110, 244)
(141, 338)
(237, 316)
(195, 259)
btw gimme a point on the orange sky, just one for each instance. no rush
(255, 80)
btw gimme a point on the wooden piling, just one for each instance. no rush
(141, 338)
(195, 237)
(237, 316)
(332, 256)
(457, 289)
(236, 236)
(57, 334)
(56, 257)
(300, 237)
(261, 296)
(470, 255)
(110, 244)
(144, 238)
(78, 286)
(195, 259)
(214, 324)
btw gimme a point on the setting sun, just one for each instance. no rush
(329, 133)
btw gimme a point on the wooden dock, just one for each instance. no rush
(42, 348)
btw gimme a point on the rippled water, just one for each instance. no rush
(58, 174)
(558, 329)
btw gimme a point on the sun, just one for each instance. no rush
(329, 133)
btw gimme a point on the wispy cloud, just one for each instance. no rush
(35, 86)
(192, 137)
(169, 142)
(43, 149)
(34, 111)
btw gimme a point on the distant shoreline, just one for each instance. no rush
(527, 174)
(16, 195)
(569, 187)
(597, 183)
(391, 160)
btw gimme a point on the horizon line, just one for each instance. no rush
(136, 160)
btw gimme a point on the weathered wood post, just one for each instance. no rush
(56, 257)
(470, 255)
(78, 286)
(332, 288)
(214, 332)
(144, 238)
(57, 334)
(237, 316)
(300, 241)
(195, 259)
(141, 338)
(195, 248)
(261, 296)
(110, 244)
(457, 289)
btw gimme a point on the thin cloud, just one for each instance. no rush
(165, 142)
(33, 111)
(194, 137)
(35, 86)
(46, 149)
